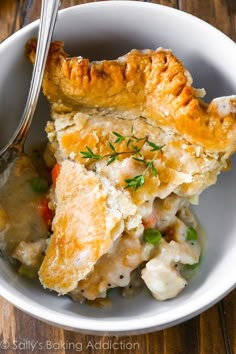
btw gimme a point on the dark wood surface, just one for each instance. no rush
(214, 331)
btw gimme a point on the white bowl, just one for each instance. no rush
(107, 30)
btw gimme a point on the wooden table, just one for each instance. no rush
(214, 331)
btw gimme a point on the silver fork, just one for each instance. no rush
(15, 146)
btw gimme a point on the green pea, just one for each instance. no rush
(191, 234)
(152, 236)
(192, 266)
(39, 184)
(28, 272)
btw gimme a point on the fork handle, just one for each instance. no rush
(48, 18)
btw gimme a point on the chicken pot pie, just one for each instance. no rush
(134, 144)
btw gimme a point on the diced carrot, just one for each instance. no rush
(150, 221)
(46, 212)
(55, 173)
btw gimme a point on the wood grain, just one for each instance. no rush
(213, 332)
(219, 13)
(230, 318)
(9, 18)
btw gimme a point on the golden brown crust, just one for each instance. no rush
(83, 228)
(154, 83)
(146, 93)
(182, 167)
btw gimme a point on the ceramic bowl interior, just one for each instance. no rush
(108, 30)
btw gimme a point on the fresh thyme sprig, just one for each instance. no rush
(137, 181)
(90, 155)
(132, 141)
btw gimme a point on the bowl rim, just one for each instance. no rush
(106, 327)
(110, 326)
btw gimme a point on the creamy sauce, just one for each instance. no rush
(188, 272)
(21, 220)
(20, 215)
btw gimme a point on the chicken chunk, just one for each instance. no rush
(30, 253)
(161, 274)
(114, 268)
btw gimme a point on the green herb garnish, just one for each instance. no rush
(154, 146)
(132, 141)
(135, 182)
(191, 234)
(90, 155)
(119, 139)
(152, 236)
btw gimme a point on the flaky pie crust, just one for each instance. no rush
(154, 84)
